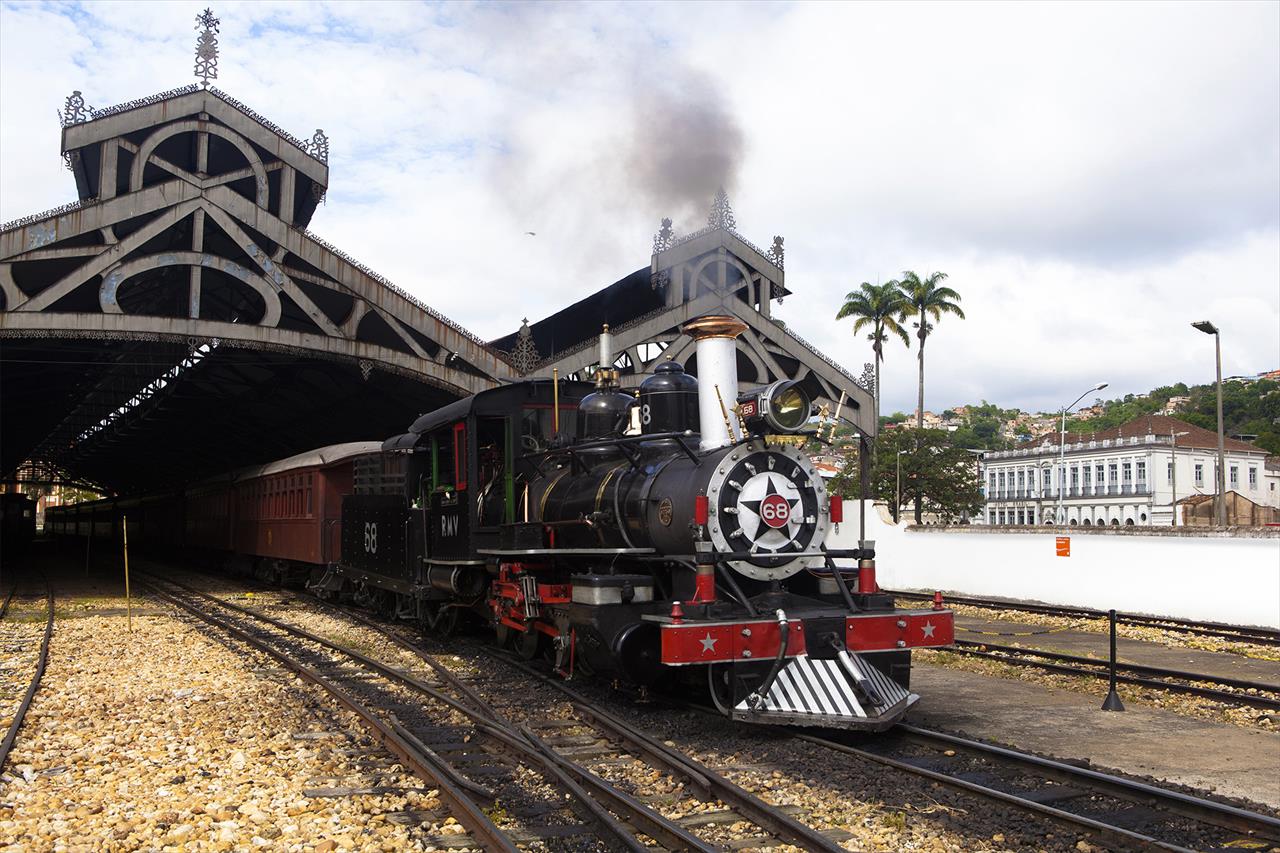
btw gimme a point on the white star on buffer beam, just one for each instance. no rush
(708, 643)
(928, 630)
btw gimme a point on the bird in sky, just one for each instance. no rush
(532, 233)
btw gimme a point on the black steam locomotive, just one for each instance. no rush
(673, 535)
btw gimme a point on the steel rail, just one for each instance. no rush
(490, 722)
(1197, 808)
(742, 801)
(4, 608)
(6, 746)
(470, 815)
(1017, 656)
(1142, 669)
(668, 832)
(1115, 836)
(1242, 633)
(641, 743)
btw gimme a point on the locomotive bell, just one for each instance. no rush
(669, 400)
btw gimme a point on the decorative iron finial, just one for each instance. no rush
(663, 239)
(74, 110)
(775, 254)
(318, 146)
(868, 378)
(721, 215)
(207, 47)
(525, 354)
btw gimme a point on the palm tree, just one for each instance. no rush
(926, 299)
(880, 306)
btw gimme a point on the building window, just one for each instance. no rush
(991, 516)
(1142, 471)
(1002, 516)
(1020, 517)
(1022, 479)
(1170, 473)
(1101, 475)
(1088, 477)
(1253, 478)
(1199, 473)
(1235, 474)
(1075, 477)
(1001, 484)
(991, 481)
(1128, 472)
(1111, 473)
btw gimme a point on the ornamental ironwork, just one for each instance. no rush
(721, 215)
(664, 238)
(207, 47)
(48, 214)
(318, 147)
(868, 378)
(74, 110)
(524, 356)
(775, 253)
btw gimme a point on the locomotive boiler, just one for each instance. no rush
(674, 535)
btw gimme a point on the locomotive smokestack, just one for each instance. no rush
(717, 377)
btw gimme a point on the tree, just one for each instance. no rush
(936, 474)
(926, 299)
(881, 307)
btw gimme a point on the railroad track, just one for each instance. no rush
(1120, 813)
(42, 661)
(1238, 633)
(1263, 695)
(482, 745)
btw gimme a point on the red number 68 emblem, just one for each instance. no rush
(775, 511)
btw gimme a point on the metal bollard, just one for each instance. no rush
(1112, 702)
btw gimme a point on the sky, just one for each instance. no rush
(1091, 177)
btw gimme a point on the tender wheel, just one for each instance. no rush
(502, 636)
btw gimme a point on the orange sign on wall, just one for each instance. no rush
(1064, 546)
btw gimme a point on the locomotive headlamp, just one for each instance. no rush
(781, 407)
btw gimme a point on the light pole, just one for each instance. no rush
(1062, 449)
(1220, 499)
(1173, 477)
(897, 507)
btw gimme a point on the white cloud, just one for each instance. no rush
(1091, 177)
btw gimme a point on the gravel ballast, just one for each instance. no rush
(167, 739)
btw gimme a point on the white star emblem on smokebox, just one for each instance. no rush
(708, 643)
(928, 630)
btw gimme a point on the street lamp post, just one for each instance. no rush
(1173, 477)
(1220, 499)
(897, 507)
(1062, 449)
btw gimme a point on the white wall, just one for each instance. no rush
(1220, 579)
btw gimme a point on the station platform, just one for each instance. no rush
(1067, 725)
(1097, 645)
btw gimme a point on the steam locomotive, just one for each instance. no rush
(676, 536)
